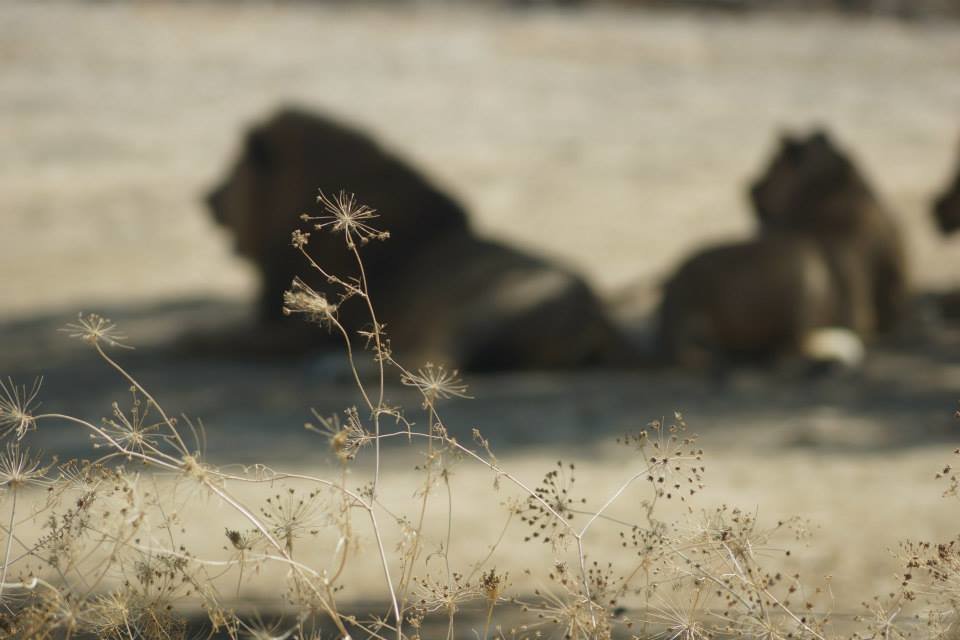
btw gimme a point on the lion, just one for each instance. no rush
(812, 188)
(442, 293)
(825, 273)
(946, 207)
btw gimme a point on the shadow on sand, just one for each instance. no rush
(253, 406)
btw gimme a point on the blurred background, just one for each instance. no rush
(613, 138)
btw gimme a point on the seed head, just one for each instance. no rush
(315, 306)
(299, 239)
(345, 438)
(94, 329)
(435, 382)
(18, 469)
(346, 216)
(17, 405)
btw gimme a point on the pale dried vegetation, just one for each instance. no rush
(111, 560)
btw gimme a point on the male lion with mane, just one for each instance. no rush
(442, 293)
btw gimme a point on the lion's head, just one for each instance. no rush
(283, 165)
(803, 184)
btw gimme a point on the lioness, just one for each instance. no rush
(828, 262)
(812, 188)
(442, 293)
(946, 208)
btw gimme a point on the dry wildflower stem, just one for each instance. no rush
(60, 586)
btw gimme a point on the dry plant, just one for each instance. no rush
(113, 562)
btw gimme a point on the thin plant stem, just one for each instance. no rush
(6, 555)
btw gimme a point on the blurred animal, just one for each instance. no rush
(826, 271)
(752, 301)
(946, 211)
(946, 208)
(442, 293)
(812, 188)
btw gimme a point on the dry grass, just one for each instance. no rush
(106, 548)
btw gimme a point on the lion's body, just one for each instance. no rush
(746, 301)
(442, 293)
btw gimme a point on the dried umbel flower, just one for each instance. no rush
(128, 614)
(241, 541)
(112, 613)
(315, 306)
(17, 405)
(193, 467)
(84, 476)
(51, 614)
(675, 462)
(19, 469)
(299, 239)
(290, 515)
(96, 329)
(950, 474)
(576, 615)
(345, 438)
(556, 490)
(444, 594)
(132, 431)
(435, 383)
(742, 532)
(882, 619)
(258, 629)
(492, 585)
(678, 617)
(348, 217)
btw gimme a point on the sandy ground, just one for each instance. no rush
(615, 142)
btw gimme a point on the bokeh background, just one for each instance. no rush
(613, 138)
